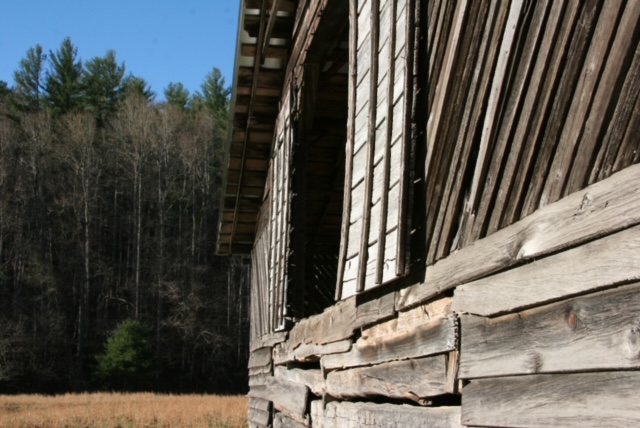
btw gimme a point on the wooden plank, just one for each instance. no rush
(572, 51)
(349, 153)
(545, 78)
(375, 310)
(605, 399)
(356, 415)
(289, 397)
(426, 339)
(307, 352)
(621, 52)
(311, 378)
(582, 101)
(269, 340)
(609, 261)
(333, 325)
(259, 417)
(280, 420)
(596, 332)
(415, 380)
(370, 145)
(260, 357)
(602, 208)
(615, 145)
(493, 111)
(257, 403)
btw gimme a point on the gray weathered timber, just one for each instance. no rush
(333, 325)
(289, 397)
(375, 310)
(259, 417)
(603, 399)
(412, 379)
(268, 340)
(423, 340)
(607, 261)
(596, 332)
(356, 415)
(309, 351)
(260, 357)
(282, 421)
(604, 207)
(311, 378)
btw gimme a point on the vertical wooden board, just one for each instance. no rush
(355, 231)
(392, 212)
(609, 261)
(372, 259)
(581, 103)
(605, 399)
(389, 267)
(364, 24)
(356, 415)
(493, 112)
(359, 166)
(381, 138)
(547, 73)
(624, 45)
(595, 332)
(401, 30)
(397, 131)
(349, 283)
(613, 144)
(375, 223)
(363, 63)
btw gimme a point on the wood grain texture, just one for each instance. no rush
(596, 332)
(413, 379)
(426, 339)
(356, 415)
(333, 325)
(612, 260)
(604, 399)
(311, 378)
(309, 351)
(282, 421)
(289, 397)
(602, 208)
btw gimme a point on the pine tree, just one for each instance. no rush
(216, 96)
(101, 80)
(63, 84)
(176, 95)
(29, 79)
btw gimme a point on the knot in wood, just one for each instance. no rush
(572, 320)
(632, 341)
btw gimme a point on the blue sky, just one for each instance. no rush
(160, 40)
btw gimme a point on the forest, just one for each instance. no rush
(109, 206)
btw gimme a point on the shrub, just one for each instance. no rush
(127, 363)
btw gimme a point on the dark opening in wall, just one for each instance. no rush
(318, 164)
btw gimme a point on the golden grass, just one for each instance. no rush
(122, 411)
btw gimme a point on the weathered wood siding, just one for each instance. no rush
(378, 142)
(519, 308)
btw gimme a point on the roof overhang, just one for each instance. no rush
(264, 36)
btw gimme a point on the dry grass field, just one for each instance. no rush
(123, 411)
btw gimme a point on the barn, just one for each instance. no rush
(441, 202)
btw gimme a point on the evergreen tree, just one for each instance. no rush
(63, 83)
(216, 96)
(136, 85)
(127, 362)
(29, 79)
(101, 80)
(176, 95)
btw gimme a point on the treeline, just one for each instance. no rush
(108, 213)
